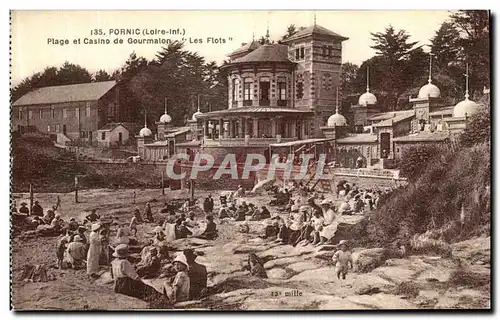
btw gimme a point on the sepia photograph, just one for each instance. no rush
(250, 160)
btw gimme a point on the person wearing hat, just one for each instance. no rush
(181, 283)
(342, 259)
(197, 275)
(24, 209)
(127, 281)
(37, 210)
(75, 253)
(191, 220)
(94, 251)
(57, 223)
(329, 225)
(317, 222)
(345, 207)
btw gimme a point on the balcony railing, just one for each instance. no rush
(245, 142)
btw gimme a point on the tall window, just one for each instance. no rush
(20, 114)
(52, 113)
(30, 114)
(65, 113)
(297, 54)
(40, 113)
(103, 135)
(233, 91)
(77, 113)
(300, 89)
(281, 89)
(87, 111)
(247, 90)
(264, 87)
(57, 128)
(302, 52)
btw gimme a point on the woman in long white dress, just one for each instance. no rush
(94, 251)
(330, 224)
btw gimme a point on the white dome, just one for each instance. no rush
(367, 98)
(145, 132)
(165, 118)
(196, 114)
(465, 107)
(429, 90)
(336, 119)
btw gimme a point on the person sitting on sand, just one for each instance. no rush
(186, 206)
(24, 209)
(49, 216)
(284, 231)
(149, 268)
(317, 224)
(75, 256)
(223, 212)
(171, 218)
(191, 220)
(122, 235)
(297, 222)
(37, 210)
(126, 279)
(256, 215)
(92, 217)
(256, 266)
(159, 239)
(181, 231)
(148, 214)
(265, 213)
(345, 208)
(73, 224)
(240, 214)
(223, 199)
(210, 232)
(342, 259)
(197, 275)
(81, 232)
(57, 223)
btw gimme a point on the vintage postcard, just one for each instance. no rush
(250, 160)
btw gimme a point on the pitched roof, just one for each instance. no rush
(423, 136)
(393, 120)
(389, 115)
(69, 93)
(251, 110)
(315, 30)
(112, 126)
(442, 111)
(358, 138)
(266, 53)
(246, 47)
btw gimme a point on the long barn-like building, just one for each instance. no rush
(73, 113)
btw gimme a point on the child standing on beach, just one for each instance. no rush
(342, 258)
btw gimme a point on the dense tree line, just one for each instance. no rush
(400, 66)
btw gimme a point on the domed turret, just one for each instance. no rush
(336, 120)
(145, 132)
(429, 90)
(196, 114)
(367, 98)
(465, 107)
(165, 118)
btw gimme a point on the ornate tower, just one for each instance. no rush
(317, 52)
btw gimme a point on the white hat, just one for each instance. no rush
(181, 258)
(342, 242)
(95, 226)
(327, 202)
(121, 251)
(77, 238)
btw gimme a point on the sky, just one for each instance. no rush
(37, 35)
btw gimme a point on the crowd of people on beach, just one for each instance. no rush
(297, 216)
